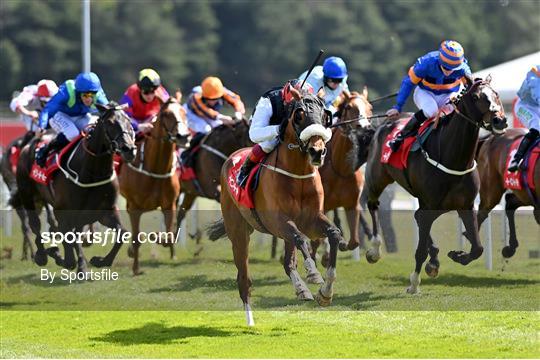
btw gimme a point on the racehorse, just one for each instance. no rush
(288, 202)
(150, 181)
(442, 175)
(84, 190)
(8, 172)
(347, 151)
(492, 158)
(214, 149)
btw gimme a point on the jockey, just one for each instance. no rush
(69, 111)
(144, 99)
(332, 78)
(267, 118)
(439, 75)
(527, 109)
(29, 104)
(204, 105)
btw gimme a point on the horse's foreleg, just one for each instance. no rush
(135, 219)
(326, 228)
(353, 218)
(471, 226)
(290, 266)
(25, 229)
(111, 220)
(273, 251)
(40, 257)
(81, 260)
(365, 228)
(168, 215)
(337, 220)
(290, 233)
(374, 252)
(51, 219)
(512, 203)
(432, 266)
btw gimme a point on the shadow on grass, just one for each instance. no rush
(33, 279)
(458, 280)
(190, 283)
(157, 333)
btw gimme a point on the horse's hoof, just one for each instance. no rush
(432, 270)
(40, 258)
(305, 295)
(324, 260)
(137, 272)
(372, 257)
(197, 236)
(174, 257)
(323, 300)
(343, 246)
(413, 290)
(352, 245)
(314, 278)
(99, 262)
(198, 251)
(461, 257)
(508, 251)
(130, 252)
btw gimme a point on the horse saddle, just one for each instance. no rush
(244, 196)
(398, 159)
(54, 158)
(524, 177)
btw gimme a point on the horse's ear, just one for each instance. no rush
(178, 95)
(102, 108)
(321, 93)
(346, 95)
(365, 92)
(296, 94)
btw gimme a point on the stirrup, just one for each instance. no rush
(241, 178)
(395, 144)
(515, 165)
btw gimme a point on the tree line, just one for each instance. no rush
(254, 45)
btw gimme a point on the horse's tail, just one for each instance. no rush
(216, 230)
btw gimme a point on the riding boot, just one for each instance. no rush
(410, 129)
(254, 157)
(526, 142)
(186, 156)
(26, 138)
(56, 144)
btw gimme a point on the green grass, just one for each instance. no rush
(191, 306)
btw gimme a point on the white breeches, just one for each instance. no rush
(70, 126)
(528, 115)
(430, 103)
(199, 125)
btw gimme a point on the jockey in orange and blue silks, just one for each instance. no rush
(527, 109)
(69, 111)
(144, 100)
(437, 76)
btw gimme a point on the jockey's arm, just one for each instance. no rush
(19, 104)
(413, 77)
(260, 130)
(52, 107)
(235, 101)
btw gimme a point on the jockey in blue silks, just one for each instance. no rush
(68, 112)
(437, 76)
(527, 109)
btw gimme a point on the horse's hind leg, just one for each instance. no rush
(168, 215)
(512, 203)
(25, 229)
(374, 187)
(424, 220)
(82, 265)
(133, 250)
(432, 266)
(353, 219)
(289, 264)
(238, 231)
(471, 226)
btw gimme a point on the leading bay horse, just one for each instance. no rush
(151, 181)
(491, 159)
(288, 202)
(83, 191)
(442, 176)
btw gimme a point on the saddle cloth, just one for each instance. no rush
(44, 175)
(518, 179)
(244, 196)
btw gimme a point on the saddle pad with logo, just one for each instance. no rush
(184, 171)
(244, 196)
(44, 175)
(398, 159)
(516, 180)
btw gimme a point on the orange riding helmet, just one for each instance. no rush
(212, 88)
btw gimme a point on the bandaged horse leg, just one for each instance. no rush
(373, 254)
(326, 291)
(291, 234)
(290, 264)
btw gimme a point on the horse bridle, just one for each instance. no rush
(303, 146)
(459, 99)
(113, 144)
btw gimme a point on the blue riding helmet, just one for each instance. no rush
(334, 67)
(87, 82)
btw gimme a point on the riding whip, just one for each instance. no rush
(383, 98)
(312, 67)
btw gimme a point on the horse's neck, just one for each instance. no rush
(294, 161)
(227, 143)
(158, 152)
(340, 146)
(97, 161)
(459, 139)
